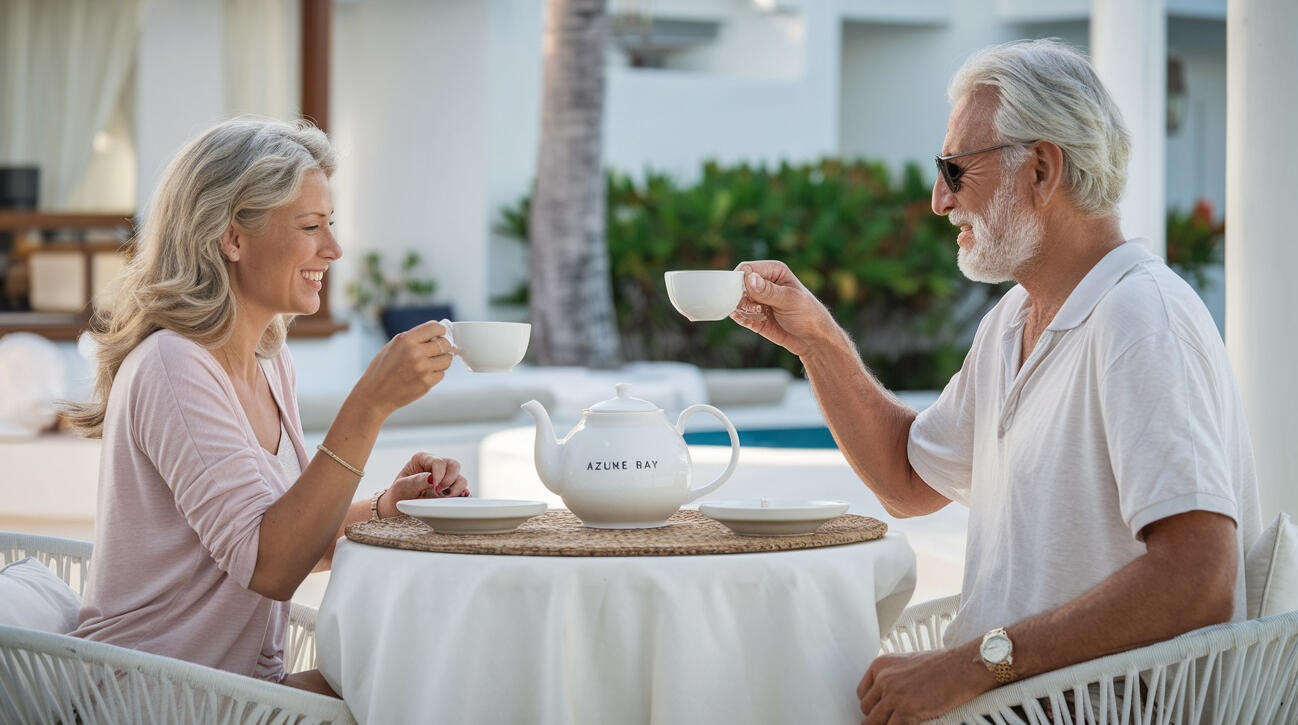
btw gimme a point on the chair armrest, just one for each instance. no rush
(299, 642)
(48, 677)
(921, 626)
(1239, 672)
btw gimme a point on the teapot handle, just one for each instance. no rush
(734, 446)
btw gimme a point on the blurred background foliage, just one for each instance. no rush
(866, 244)
(1195, 242)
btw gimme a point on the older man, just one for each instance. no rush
(1094, 431)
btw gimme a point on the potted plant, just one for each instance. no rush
(399, 302)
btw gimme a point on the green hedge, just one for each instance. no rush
(867, 244)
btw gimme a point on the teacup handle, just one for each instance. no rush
(734, 446)
(450, 328)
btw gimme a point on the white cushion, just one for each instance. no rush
(1271, 570)
(33, 597)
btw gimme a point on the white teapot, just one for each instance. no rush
(623, 466)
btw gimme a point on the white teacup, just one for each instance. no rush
(705, 294)
(489, 347)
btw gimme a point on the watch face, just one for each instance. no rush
(996, 649)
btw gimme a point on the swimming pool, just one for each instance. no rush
(812, 437)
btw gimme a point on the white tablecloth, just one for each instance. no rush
(779, 637)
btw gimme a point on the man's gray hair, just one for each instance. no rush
(1048, 91)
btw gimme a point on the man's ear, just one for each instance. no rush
(1047, 171)
(231, 244)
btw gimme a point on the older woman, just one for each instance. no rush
(211, 510)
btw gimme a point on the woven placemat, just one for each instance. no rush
(560, 533)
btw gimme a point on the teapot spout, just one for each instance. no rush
(547, 448)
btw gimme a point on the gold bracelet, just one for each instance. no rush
(341, 462)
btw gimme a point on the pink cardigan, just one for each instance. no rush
(183, 486)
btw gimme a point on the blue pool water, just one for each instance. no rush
(767, 438)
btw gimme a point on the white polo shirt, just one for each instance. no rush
(1126, 412)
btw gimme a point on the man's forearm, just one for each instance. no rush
(870, 425)
(1157, 596)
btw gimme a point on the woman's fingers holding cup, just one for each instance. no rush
(425, 331)
(409, 365)
(442, 360)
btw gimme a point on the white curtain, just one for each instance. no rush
(263, 61)
(63, 67)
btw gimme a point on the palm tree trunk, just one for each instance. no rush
(571, 292)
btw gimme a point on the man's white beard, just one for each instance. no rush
(1003, 243)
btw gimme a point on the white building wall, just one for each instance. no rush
(409, 116)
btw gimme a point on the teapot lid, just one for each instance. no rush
(624, 403)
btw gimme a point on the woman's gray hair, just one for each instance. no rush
(235, 173)
(1048, 91)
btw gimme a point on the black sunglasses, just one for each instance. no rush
(951, 171)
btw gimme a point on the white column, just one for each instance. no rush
(1129, 50)
(1261, 256)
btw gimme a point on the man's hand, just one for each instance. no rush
(778, 307)
(911, 688)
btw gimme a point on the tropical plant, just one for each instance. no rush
(868, 246)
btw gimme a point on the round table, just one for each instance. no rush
(783, 637)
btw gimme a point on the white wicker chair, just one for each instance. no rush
(1246, 672)
(51, 678)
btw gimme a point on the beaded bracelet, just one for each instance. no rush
(374, 505)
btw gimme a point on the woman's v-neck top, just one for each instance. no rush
(183, 487)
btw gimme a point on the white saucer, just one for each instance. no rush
(471, 515)
(773, 517)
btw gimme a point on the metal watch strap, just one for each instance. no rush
(1003, 673)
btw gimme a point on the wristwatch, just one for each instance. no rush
(997, 653)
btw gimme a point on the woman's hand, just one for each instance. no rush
(425, 476)
(778, 307)
(406, 368)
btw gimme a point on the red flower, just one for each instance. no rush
(1203, 211)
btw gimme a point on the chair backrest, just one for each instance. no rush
(68, 558)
